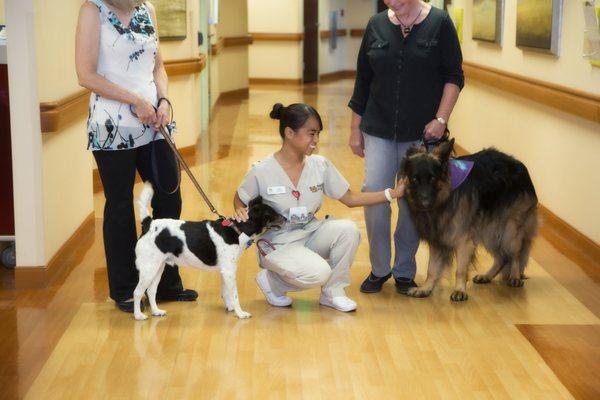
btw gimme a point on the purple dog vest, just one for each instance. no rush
(459, 170)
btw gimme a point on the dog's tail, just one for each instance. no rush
(144, 202)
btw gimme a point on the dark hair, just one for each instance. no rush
(295, 116)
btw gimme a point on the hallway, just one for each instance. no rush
(69, 341)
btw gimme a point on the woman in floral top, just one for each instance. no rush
(118, 59)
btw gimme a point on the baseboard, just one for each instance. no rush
(334, 76)
(234, 95)
(60, 265)
(188, 152)
(568, 240)
(275, 81)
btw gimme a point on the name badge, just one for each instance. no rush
(276, 190)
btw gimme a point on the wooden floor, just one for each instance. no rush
(68, 341)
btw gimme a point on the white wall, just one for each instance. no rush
(560, 149)
(332, 60)
(357, 17)
(233, 61)
(279, 60)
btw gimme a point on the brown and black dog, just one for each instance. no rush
(495, 206)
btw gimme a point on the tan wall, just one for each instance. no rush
(233, 69)
(559, 149)
(281, 60)
(233, 61)
(67, 173)
(2, 21)
(332, 60)
(357, 17)
(67, 178)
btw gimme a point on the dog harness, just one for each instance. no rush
(459, 171)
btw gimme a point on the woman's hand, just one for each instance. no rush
(162, 115)
(145, 111)
(241, 214)
(357, 142)
(434, 130)
(400, 188)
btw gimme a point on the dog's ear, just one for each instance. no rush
(255, 201)
(443, 151)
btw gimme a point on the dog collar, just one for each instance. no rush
(243, 239)
(228, 223)
(459, 171)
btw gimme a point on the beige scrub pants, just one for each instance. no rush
(324, 260)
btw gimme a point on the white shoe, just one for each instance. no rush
(263, 283)
(340, 303)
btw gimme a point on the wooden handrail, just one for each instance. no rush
(357, 33)
(582, 104)
(216, 47)
(54, 115)
(238, 41)
(327, 34)
(277, 37)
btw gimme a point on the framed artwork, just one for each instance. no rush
(538, 24)
(172, 18)
(487, 20)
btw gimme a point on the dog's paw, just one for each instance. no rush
(481, 279)
(159, 313)
(140, 317)
(515, 282)
(243, 314)
(417, 292)
(459, 295)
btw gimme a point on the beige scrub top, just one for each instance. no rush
(268, 179)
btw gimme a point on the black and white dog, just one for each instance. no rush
(211, 245)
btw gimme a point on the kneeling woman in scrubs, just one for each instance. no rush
(293, 182)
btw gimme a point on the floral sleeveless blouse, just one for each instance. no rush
(126, 57)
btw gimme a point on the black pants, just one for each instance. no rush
(117, 170)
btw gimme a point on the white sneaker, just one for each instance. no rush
(263, 283)
(340, 303)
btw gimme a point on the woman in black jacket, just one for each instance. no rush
(409, 75)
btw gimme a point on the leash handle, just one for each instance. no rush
(434, 142)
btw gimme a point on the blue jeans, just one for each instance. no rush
(382, 164)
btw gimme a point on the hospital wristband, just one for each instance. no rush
(388, 194)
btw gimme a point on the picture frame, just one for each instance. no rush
(171, 16)
(488, 20)
(539, 25)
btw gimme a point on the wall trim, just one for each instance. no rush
(357, 33)
(59, 266)
(55, 115)
(568, 240)
(185, 66)
(327, 34)
(216, 47)
(334, 76)
(277, 37)
(238, 41)
(275, 81)
(582, 104)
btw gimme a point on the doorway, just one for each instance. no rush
(311, 41)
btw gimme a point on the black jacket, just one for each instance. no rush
(399, 81)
